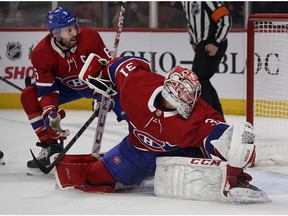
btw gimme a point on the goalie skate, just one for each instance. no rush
(236, 187)
(247, 195)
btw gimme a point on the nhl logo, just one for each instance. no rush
(13, 51)
(195, 8)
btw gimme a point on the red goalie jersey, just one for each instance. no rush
(151, 127)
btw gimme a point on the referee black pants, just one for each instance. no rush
(205, 67)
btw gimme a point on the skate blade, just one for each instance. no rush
(242, 195)
(37, 172)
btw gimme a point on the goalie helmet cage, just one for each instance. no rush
(267, 86)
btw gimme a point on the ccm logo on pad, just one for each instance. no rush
(205, 162)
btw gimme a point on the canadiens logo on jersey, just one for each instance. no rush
(73, 82)
(152, 143)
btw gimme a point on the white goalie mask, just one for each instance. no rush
(182, 89)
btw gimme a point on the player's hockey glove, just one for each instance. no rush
(52, 119)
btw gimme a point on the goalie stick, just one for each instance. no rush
(105, 102)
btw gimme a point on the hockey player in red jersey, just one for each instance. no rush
(165, 115)
(57, 60)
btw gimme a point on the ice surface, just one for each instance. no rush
(23, 194)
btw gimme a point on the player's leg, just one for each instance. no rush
(31, 106)
(33, 110)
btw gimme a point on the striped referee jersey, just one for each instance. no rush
(207, 21)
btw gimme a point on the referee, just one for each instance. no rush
(208, 25)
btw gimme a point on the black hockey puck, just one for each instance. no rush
(1, 154)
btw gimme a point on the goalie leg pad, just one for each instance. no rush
(204, 179)
(189, 178)
(71, 170)
(83, 172)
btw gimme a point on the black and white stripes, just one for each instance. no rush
(207, 21)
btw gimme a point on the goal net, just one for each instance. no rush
(267, 86)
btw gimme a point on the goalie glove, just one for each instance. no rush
(92, 67)
(91, 74)
(52, 119)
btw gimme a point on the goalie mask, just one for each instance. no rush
(181, 89)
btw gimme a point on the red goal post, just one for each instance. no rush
(261, 24)
(267, 84)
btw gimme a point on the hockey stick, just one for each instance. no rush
(105, 102)
(47, 169)
(27, 82)
(11, 84)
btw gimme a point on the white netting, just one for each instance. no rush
(271, 90)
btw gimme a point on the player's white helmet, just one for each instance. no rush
(182, 89)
